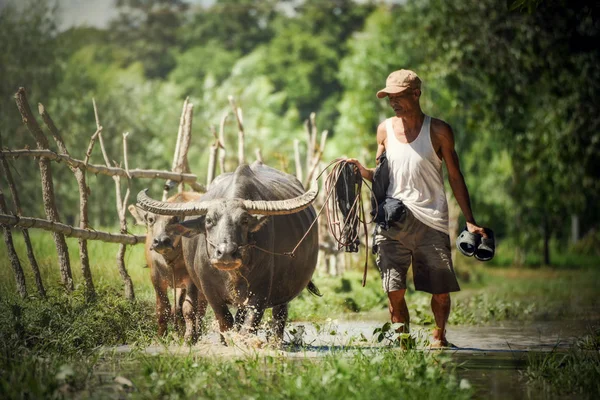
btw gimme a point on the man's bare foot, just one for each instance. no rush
(437, 344)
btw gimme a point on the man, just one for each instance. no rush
(415, 146)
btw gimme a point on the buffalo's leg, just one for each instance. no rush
(240, 317)
(254, 314)
(178, 312)
(163, 307)
(224, 318)
(189, 308)
(200, 313)
(280, 314)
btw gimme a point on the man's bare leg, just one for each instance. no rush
(398, 309)
(440, 305)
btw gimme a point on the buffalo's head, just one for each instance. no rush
(158, 238)
(227, 224)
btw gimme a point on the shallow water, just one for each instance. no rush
(490, 358)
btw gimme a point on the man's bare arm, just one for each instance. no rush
(444, 137)
(365, 172)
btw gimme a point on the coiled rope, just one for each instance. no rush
(344, 208)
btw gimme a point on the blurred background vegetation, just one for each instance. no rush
(519, 81)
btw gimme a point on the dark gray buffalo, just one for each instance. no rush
(164, 256)
(234, 239)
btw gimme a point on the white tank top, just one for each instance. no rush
(416, 176)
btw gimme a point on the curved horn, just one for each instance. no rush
(166, 208)
(282, 207)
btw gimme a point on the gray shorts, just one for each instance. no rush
(427, 248)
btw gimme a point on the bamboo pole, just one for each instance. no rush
(259, 156)
(311, 130)
(12, 253)
(68, 230)
(182, 119)
(5, 169)
(128, 284)
(241, 135)
(47, 187)
(212, 158)
(316, 158)
(183, 164)
(170, 184)
(297, 161)
(223, 150)
(90, 291)
(190, 179)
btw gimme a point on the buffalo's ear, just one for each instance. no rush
(257, 222)
(138, 214)
(189, 228)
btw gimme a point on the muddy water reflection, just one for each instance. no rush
(491, 358)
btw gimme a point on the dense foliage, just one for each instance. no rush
(519, 82)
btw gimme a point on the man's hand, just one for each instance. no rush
(473, 228)
(364, 172)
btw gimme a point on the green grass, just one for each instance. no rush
(574, 372)
(359, 375)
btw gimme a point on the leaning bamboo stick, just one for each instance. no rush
(241, 134)
(182, 119)
(297, 161)
(68, 230)
(223, 149)
(180, 160)
(258, 154)
(90, 291)
(12, 253)
(212, 157)
(5, 169)
(47, 187)
(128, 284)
(190, 179)
(317, 158)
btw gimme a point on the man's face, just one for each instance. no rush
(404, 101)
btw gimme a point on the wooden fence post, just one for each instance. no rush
(12, 253)
(129, 291)
(5, 169)
(47, 187)
(90, 291)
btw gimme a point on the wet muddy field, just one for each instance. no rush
(491, 359)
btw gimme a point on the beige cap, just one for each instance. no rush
(399, 81)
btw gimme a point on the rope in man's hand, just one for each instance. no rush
(344, 207)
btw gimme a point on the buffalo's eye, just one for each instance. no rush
(151, 220)
(208, 221)
(245, 220)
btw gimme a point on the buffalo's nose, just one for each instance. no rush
(227, 251)
(162, 242)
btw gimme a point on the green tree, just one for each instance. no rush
(232, 25)
(148, 30)
(519, 89)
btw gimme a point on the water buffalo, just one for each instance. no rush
(164, 256)
(235, 236)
